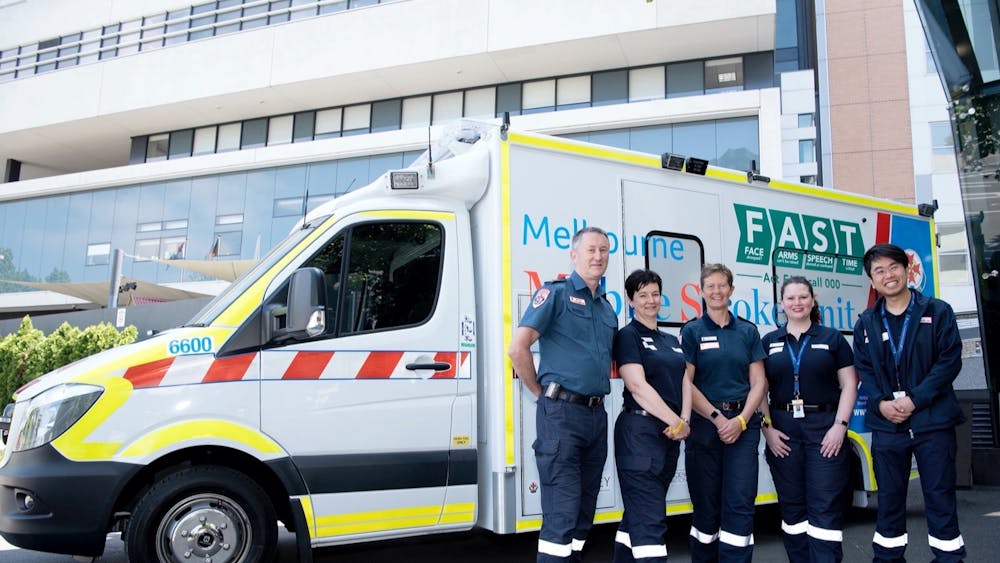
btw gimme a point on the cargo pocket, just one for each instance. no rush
(545, 456)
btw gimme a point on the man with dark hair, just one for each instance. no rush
(908, 352)
(575, 326)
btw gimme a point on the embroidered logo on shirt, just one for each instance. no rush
(647, 343)
(926, 320)
(540, 296)
(577, 300)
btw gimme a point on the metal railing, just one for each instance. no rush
(195, 23)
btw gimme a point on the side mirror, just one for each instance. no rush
(305, 313)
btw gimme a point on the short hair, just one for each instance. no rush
(640, 279)
(709, 269)
(884, 250)
(579, 234)
(814, 315)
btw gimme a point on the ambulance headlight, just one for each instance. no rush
(51, 413)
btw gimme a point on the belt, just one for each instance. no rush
(639, 412)
(556, 392)
(728, 405)
(827, 407)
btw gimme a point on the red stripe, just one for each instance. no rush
(882, 224)
(379, 365)
(229, 369)
(450, 358)
(148, 375)
(307, 365)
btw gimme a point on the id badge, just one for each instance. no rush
(798, 410)
(898, 394)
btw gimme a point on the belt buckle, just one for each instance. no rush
(726, 406)
(593, 401)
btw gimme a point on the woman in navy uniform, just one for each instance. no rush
(653, 421)
(725, 365)
(813, 386)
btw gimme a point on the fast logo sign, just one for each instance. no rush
(763, 230)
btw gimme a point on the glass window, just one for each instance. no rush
(481, 102)
(647, 84)
(334, 7)
(942, 146)
(392, 276)
(72, 47)
(509, 99)
(811, 179)
(181, 143)
(109, 39)
(174, 27)
(225, 15)
(229, 137)
(46, 52)
(302, 130)
(446, 107)
(685, 79)
(287, 207)
(538, 96)
(786, 26)
(724, 75)
(758, 71)
(254, 133)
(328, 123)
(129, 37)
(173, 248)
(929, 58)
(204, 141)
(148, 227)
(98, 254)
(152, 34)
(207, 20)
(386, 115)
(806, 120)
(357, 119)
(230, 219)
(252, 22)
(146, 249)
(157, 147)
(279, 130)
(175, 224)
(416, 112)
(573, 92)
(953, 253)
(696, 139)
(609, 87)
(279, 17)
(807, 150)
(303, 9)
(228, 243)
(737, 142)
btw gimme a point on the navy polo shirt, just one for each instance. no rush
(721, 356)
(660, 356)
(827, 352)
(577, 330)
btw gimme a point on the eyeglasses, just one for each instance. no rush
(892, 270)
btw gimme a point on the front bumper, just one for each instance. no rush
(72, 501)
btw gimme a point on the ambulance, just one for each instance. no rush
(354, 384)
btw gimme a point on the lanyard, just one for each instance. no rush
(796, 362)
(897, 351)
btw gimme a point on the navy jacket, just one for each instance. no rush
(932, 358)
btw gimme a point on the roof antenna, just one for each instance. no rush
(305, 207)
(430, 154)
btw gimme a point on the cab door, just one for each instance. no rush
(365, 408)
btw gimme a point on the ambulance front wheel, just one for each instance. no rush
(203, 513)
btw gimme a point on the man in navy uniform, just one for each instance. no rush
(908, 352)
(575, 326)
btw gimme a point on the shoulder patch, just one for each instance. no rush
(540, 296)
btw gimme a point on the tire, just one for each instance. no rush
(208, 512)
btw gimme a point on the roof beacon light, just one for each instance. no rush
(404, 180)
(672, 161)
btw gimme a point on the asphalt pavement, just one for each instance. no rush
(979, 516)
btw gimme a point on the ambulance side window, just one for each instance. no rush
(391, 276)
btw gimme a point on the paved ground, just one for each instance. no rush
(979, 513)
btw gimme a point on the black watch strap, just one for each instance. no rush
(714, 414)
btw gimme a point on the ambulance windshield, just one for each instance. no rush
(245, 281)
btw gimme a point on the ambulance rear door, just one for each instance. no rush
(370, 410)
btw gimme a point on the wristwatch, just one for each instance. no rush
(842, 422)
(765, 422)
(714, 415)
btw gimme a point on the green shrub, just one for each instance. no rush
(28, 353)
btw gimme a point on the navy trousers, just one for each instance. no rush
(570, 450)
(722, 480)
(646, 461)
(811, 489)
(935, 453)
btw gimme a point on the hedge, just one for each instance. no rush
(28, 354)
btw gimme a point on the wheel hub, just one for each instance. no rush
(204, 530)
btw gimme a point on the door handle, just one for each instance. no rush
(436, 366)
